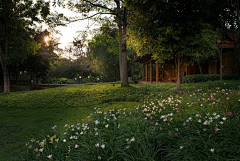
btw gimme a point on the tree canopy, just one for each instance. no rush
(174, 29)
(16, 41)
(103, 50)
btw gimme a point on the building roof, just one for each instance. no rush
(144, 58)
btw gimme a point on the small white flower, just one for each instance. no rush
(128, 146)
(97, 145)
(181, 147)
(99, 158)
(103, 146)
(212, 150)
(199, 120)
(132, 139)
(221, 122)
(96, 122)
(206, 123)
(49, 156)
(76, 146)
(64, 140)
(224, 118)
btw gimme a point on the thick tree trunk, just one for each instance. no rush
(124, 81)
(178, 73)
(4, 56)
(120, 36)
(122, 26)
(6, 79)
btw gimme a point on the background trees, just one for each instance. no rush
(92, 8)
(174, 29)
(37, 65)
(16, 41)
(103, 52)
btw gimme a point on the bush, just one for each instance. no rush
(55, 80)
(208, 77)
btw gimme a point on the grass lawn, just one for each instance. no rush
(27, 114)
(141, 122)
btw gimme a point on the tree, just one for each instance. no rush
(69, 68)
(16, 42)
(103, 50)
(172, 29)
(39, 63)
(230, 23)
(110, 7)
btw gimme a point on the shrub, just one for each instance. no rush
(208, 77)
(55, 80)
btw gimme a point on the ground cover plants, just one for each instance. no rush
(200, 122)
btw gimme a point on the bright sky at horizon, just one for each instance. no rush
(69, 31)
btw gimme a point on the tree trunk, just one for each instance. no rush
(6, 79)
(17, 73)
(108, 75)
(4, 56)
(120, 36)
(178, 74)
(122, 26)
(200, 68)
(221, 66)
(132, 69)
(124, 51)
(115, 74)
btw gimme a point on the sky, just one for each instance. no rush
(69, 31)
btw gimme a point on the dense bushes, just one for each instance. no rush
(212, 77)
(58, 81)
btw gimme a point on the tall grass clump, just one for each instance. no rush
(201, 122)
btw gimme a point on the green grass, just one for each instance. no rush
(130, 122)
(27, 114)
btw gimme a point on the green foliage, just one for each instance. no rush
(198, 123)
(209, 77)
(155, 28)
(55, 80)
(68, 68)
(103, 51)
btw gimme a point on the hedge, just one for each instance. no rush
(208, 77)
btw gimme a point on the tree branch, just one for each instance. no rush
(70, 21)
(98, 5)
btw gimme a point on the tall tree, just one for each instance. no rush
(172, 29)
(17, 16)
(92, 8)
